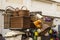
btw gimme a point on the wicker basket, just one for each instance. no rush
(19, 22)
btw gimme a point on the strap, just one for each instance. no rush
(23, 7)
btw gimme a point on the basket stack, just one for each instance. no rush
(18, 19)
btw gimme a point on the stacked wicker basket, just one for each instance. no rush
(17, 19)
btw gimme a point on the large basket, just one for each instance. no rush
(16, 18)
(19, 22)
(23, 12)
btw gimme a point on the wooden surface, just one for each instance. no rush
(19, 22)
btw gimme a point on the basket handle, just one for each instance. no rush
(23, 7)
(8, 7)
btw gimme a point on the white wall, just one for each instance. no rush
(46, 8)
(0, 3)
(16, 3)
(13, 3)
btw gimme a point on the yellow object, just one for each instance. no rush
(36, 33)
(50, 31)
(38, 26)
(38, 23)
(51, 39)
